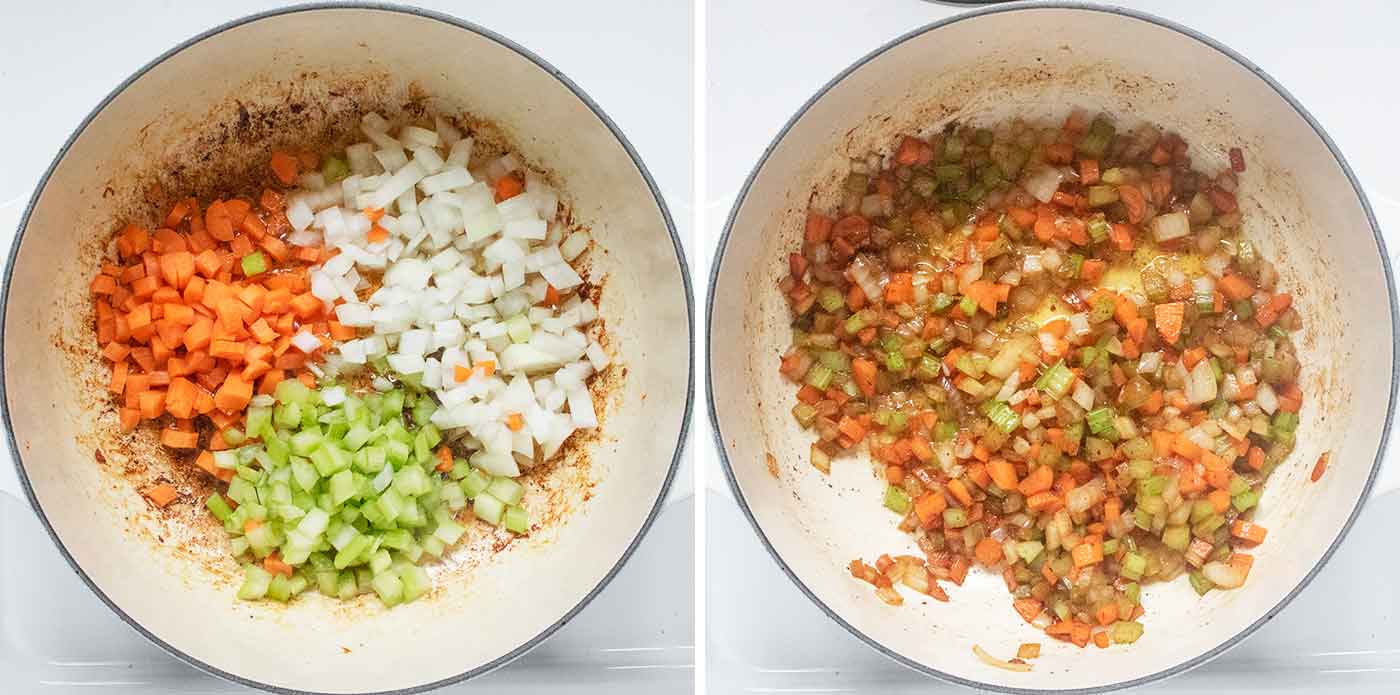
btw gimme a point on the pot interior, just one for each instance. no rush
(1039, 63)
(201, 120)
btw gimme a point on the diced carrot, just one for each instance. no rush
(1092, 269)
(116, 352)
(508, 187)
(284, 167)
(117, 384)
(988, 552)
(515, 422)
(175, 439)
(218, 221)
(1248, 531)
(234, 394)
(1003, 473)
(1169, 318)
(272, 563)
(863, 372)
(960, 492)
(161, 495)
(900, 288)
(1220, 500)
(1086, 554)
(1133, 201)
(1088, 171)
(1028, 608)
(1268, 314)
(179, 398)
(1235, 287)
(306, 305)
(930, 506)
(1320, 467)
(1101, 637)
(1107, 614)
(444, 457)
(1039, 480)
(1043, 502)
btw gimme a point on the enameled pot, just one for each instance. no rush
(205, 114)
(1039, 60)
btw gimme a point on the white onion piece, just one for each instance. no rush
(1172, 225)
(1200, 383)
(1042, 182)
(306, 342)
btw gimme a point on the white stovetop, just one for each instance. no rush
(60, 59)
(763, 635)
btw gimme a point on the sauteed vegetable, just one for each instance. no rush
(1068, 364)
(380, 337)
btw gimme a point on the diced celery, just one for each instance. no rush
(954, 518)
(342, 487)
(256, 582)
(415, 580)
(506, 490)
(1002, 416)
(218, 507)
(1055, 382)
(488, 509)
(352, 552)
(380, 561)
(1101, 423)
(897, 500)
(475, 483)
(389, 588)
(1200, 583)
(1176, 537)
(1126, 631)
(1029, 550)
(1133, 566)
(517, 520)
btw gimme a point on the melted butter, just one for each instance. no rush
(1126, 276)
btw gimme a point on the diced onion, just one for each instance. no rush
(1172, 225)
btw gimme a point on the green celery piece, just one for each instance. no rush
(897, 500)
(352, 552)
(475, 483)
(449, 531)
(287, 415)
(218, 507)
(1126, 631)
(488, 509)
(389, 588)
(342, 487)
(280, 589)
(259, 421)
(506, 490)
(1002, 416)
(304, 474)
(1133, 566)
(412, 515)
(380, 561)
(415, 581)
(256, 582)
(1029, 550)
(1056, 380)
(517, 520)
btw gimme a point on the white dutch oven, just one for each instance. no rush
(201, 115)
(1301, 203)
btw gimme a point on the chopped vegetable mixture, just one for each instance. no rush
(358, 362)
(1069, 366)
